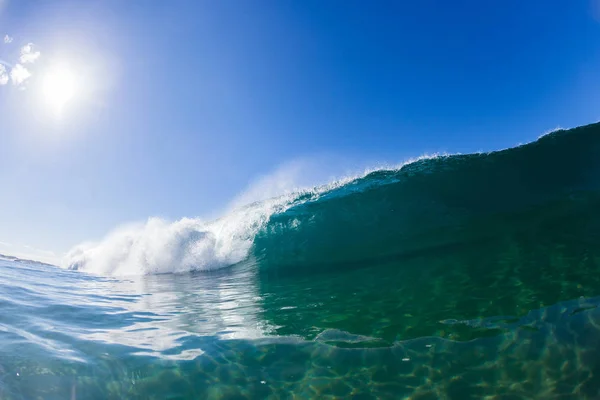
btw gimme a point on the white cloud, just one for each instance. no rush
(28, 55)
(3, 75)
(19, 74)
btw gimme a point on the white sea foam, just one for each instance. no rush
(159, 246)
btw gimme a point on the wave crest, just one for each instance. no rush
(190, 244)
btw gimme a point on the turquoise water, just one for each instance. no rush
(461, 277)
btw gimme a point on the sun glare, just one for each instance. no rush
(60, 86)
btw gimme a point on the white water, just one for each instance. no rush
(190, 244)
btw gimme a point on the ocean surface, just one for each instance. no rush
(457, 277)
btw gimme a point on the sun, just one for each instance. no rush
(60, 86)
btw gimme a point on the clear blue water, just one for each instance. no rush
(65, 335)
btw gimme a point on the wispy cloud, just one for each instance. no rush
(7, 39)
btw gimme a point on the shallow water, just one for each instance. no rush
(463, 277)
(227, 335)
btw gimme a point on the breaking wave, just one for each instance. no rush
(433, 202)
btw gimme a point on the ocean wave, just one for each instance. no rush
(402, 211)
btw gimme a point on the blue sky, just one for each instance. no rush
(186, 103)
